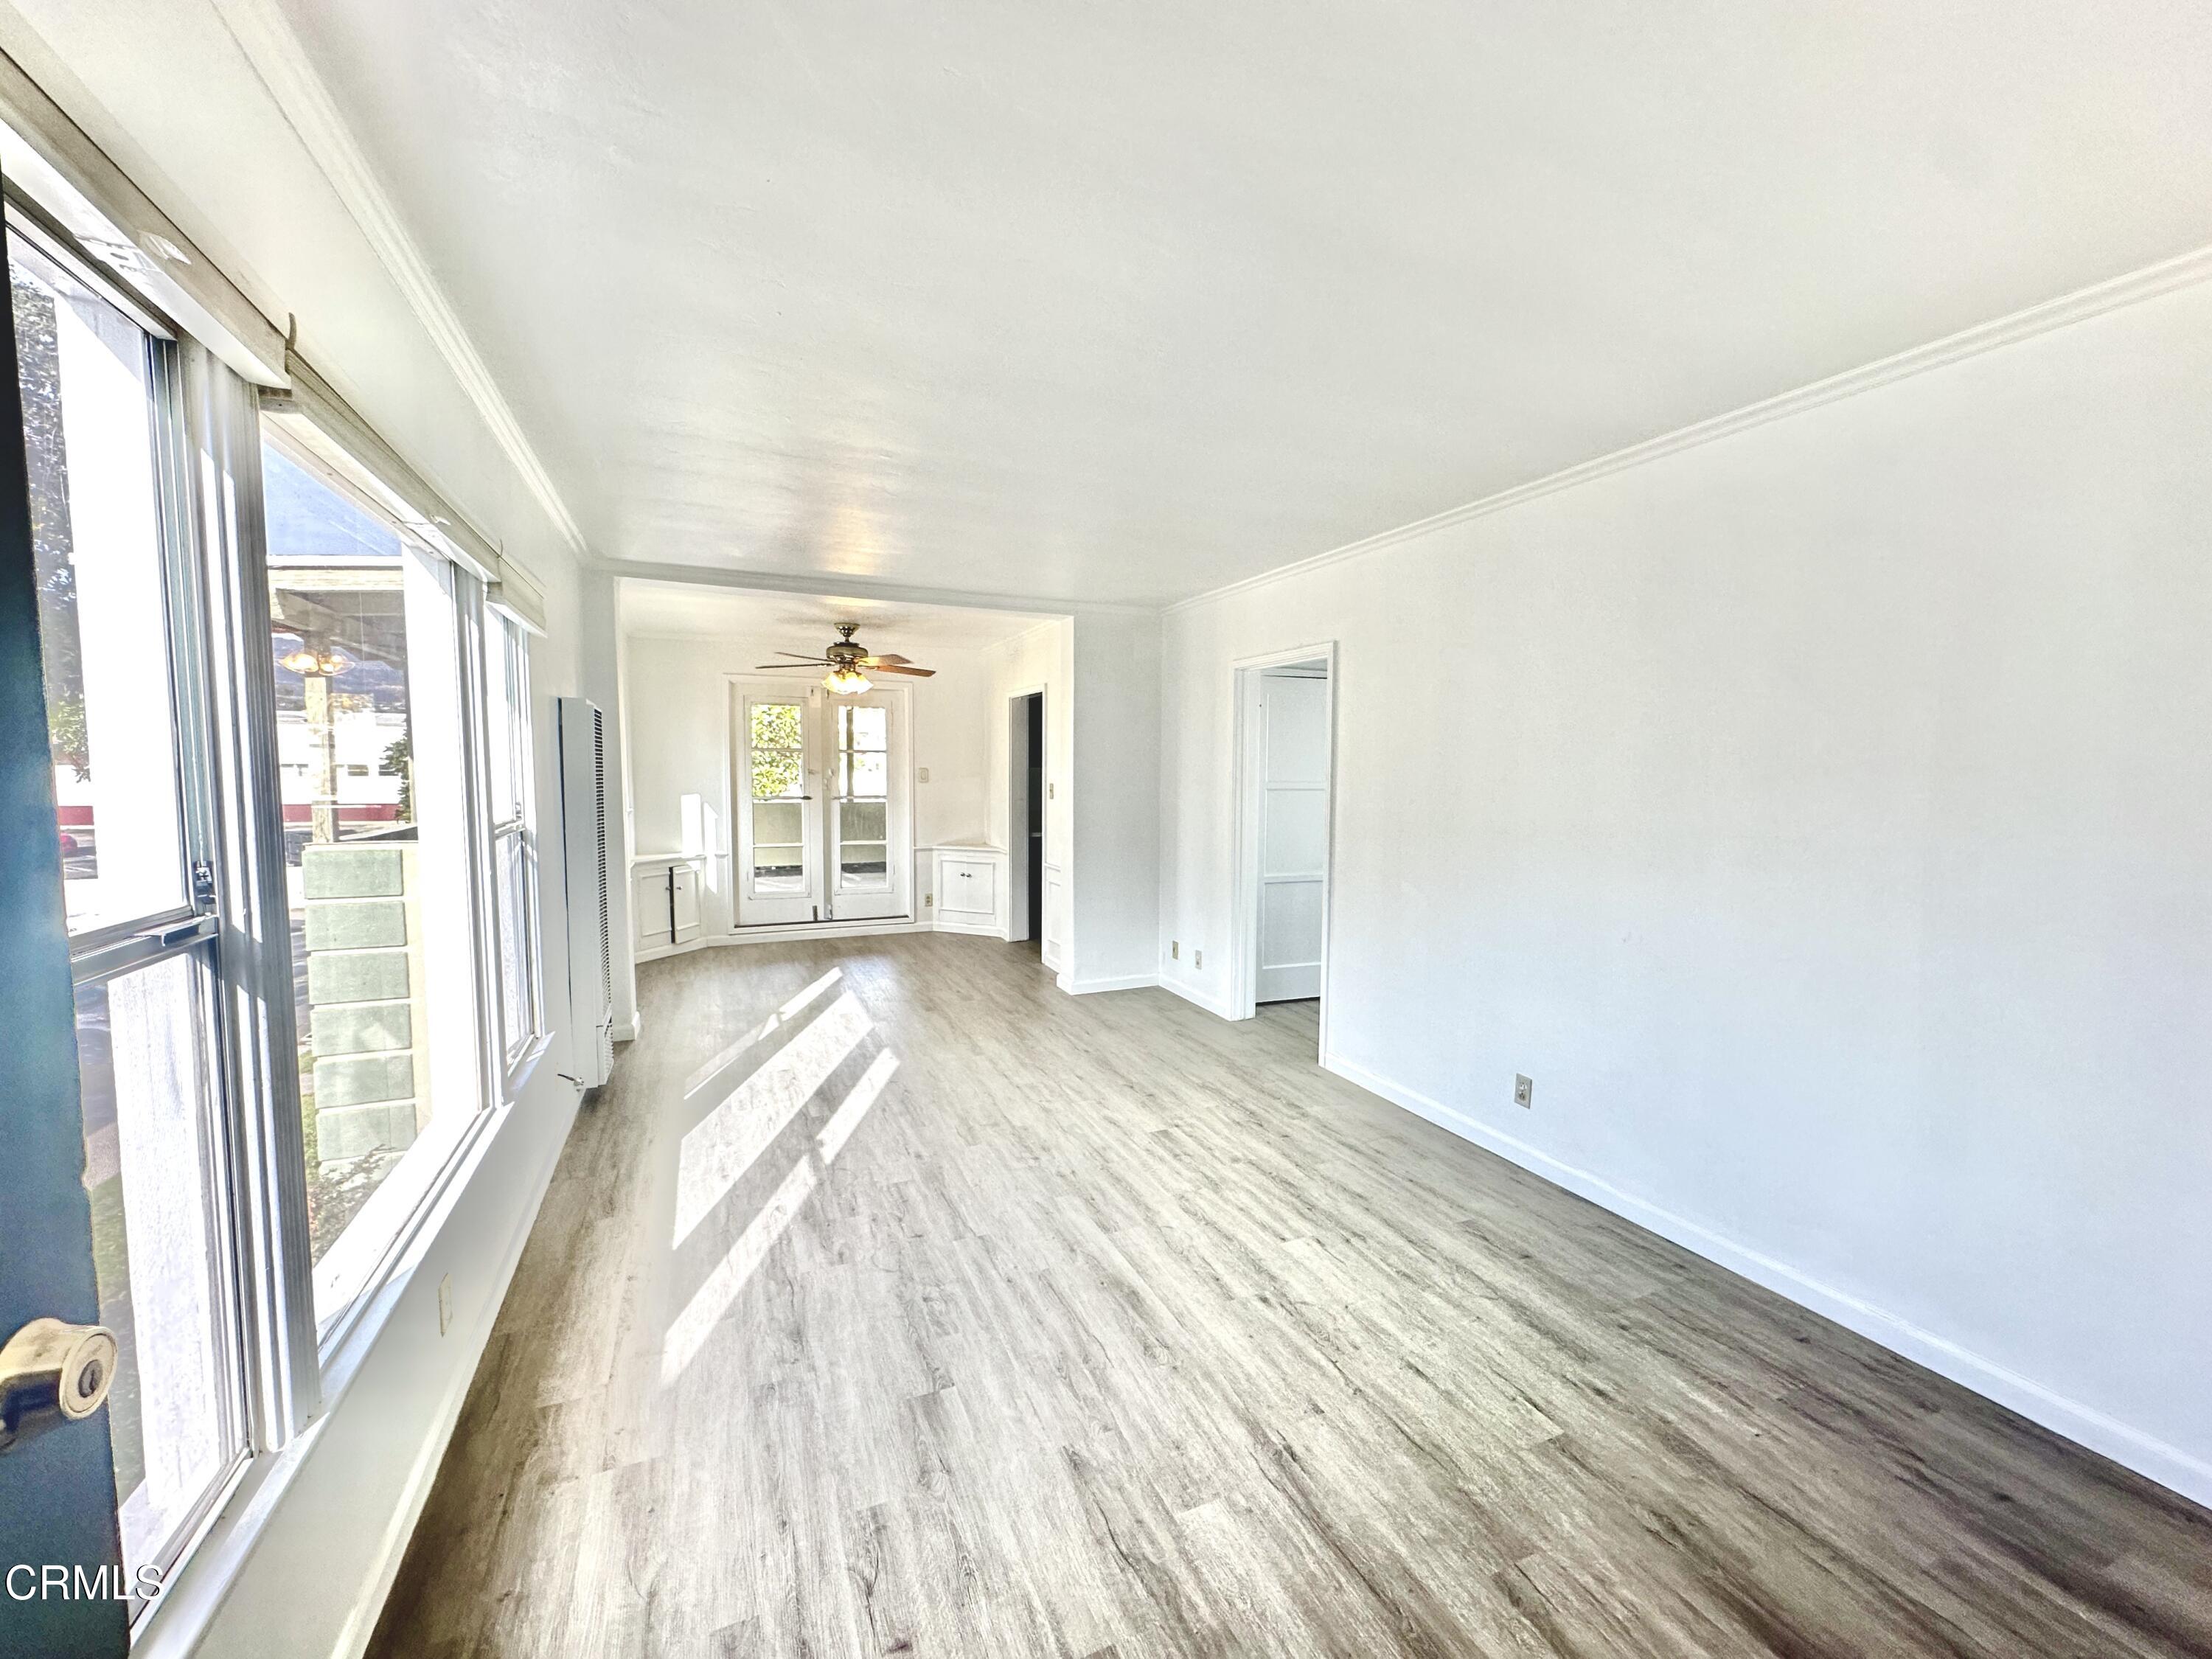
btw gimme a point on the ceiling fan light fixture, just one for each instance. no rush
(846, 681)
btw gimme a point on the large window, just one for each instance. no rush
(298, 863)
(118, 631)
(369, 632)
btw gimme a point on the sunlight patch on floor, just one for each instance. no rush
(707, 1075)
(722, 1146)
(688, 1331)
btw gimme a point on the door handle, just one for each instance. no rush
(51, 1372)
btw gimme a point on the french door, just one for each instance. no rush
(824, 825)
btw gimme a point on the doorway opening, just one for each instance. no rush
(1285, 725)
(1025, 791)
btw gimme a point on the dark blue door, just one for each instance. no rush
(60, 1551)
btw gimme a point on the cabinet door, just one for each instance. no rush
(649, 903)
(970, 889)
(683, 902)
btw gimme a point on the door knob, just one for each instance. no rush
(51, 1372)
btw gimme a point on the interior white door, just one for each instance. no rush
(824, 827)
(1292, 751)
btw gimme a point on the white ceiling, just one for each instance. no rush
(805, 622)
(1123, 303)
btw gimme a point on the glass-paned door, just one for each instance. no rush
(130, 762)
(823, 832)
(779, 835)
(865, 881)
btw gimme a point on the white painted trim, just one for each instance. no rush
(1244, 932)
(1082, 987)
(1191, 993)
(626, 1031)
(979, 929)
(830, 584)
(179, 1621)
(1017, 799)
(2169, 1466)
(353, 1641)
(2183, 271)
(264, 35)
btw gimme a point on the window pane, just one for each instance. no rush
(864, 864)
(502, 720)
(777, 822)
(151, 1154)
(864, 727)
(511, 858)
(778, 753)
(775, 725)
(103, 620)
(864, 774)
(863, 820)
(384, 956)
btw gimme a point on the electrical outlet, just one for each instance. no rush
(928, 899)
(1174, 949)
(1051, 790)
(445, 1304)
(1524, 1090)
(1198, 958)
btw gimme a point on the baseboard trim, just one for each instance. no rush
(1195, 997)
(2153, 1458)
(1083, 987)
(415, 1495)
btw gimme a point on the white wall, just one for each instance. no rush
(677, 709)
(1820, 816)
(1115, 930)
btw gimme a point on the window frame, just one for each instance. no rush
(246, 1346)
(467, 595)
(507, 634)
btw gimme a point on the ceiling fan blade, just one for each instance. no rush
(889, 659)
(801, 656)
(893, 668)
(804, 667)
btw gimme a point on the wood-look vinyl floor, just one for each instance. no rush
(942, 1314)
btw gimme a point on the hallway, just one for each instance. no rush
(890, 1301)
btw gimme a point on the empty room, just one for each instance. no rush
(986, 830)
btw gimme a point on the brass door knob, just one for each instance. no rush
(51, 1372)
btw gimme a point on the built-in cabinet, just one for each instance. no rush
(968, 882)
(665, 899)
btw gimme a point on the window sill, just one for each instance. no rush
(178, 1623)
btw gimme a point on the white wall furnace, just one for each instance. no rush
(1820, 816)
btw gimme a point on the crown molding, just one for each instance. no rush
(2183, 271)
(829, 585)
(274, 53)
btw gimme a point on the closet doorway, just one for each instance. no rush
(1286, 721)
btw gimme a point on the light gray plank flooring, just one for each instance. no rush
(943, 1314)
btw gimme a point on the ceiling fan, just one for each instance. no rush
(845, 661)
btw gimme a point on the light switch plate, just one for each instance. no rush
(1524, 1090)
(922, 774)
